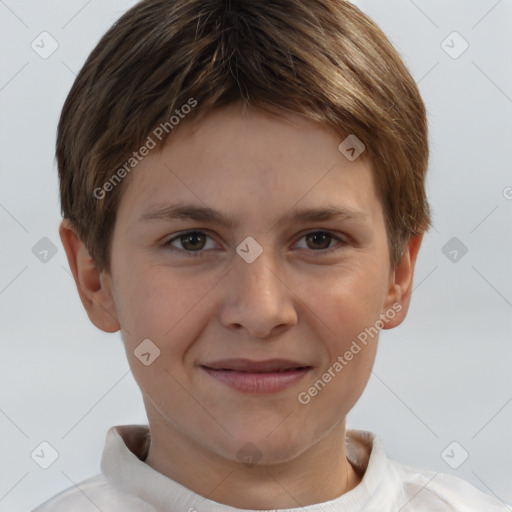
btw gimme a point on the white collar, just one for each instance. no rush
(126, 448)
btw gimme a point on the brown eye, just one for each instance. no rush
(319, 239)
(190, 244)
(193, 241)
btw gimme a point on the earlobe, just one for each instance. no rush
(400, 286)
(94, 287)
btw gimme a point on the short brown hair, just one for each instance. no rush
(324, 59)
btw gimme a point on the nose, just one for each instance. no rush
(257, 297)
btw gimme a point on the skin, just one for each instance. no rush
(295, 301)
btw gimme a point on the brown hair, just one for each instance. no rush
(323, 59)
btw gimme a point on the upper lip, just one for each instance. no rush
(246, 365)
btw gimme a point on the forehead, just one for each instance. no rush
(237, 159)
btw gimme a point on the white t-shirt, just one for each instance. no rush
(128, 484)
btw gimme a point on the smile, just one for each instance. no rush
(262, 377)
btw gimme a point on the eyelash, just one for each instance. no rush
(202, 252)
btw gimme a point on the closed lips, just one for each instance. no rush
(257, 377)
(261, 371)
(248, 366)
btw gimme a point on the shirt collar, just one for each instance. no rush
(126, 448)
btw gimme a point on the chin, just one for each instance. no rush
(262, 448)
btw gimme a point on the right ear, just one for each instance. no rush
(94, 287)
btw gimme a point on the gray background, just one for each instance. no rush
(442, 376)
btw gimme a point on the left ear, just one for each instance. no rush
(400, 284)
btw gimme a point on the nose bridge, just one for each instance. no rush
(257, 298)
(259, 277)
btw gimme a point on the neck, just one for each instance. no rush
(319, 474)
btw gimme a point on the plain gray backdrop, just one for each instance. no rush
(441, 393)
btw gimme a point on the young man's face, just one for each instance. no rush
(211, 300)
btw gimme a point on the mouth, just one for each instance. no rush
(248, 376)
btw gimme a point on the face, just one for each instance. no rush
(248, 304)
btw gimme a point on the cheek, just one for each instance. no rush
(350, 305)
(351, 349)
(168, 309)
(350, 311)
(154, 299)
(349, 301)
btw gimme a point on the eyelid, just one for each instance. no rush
(167, 244)
(337, 238)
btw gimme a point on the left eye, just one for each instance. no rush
(193, 242)
(323, 238)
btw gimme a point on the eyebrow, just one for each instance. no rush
(206, 214)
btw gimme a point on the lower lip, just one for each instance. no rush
(247, 382)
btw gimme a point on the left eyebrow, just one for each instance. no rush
(206, 214)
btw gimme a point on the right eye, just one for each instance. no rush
(192, 243)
